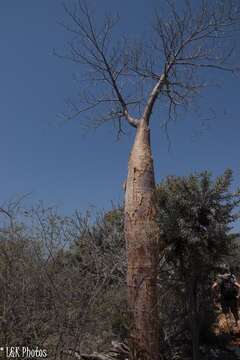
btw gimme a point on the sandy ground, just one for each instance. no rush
(226, 326)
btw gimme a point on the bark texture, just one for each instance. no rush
(141, 233)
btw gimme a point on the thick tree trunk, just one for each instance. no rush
(141, 233)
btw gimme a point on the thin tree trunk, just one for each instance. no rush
(141, 233)
(195, 321)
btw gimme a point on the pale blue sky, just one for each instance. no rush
(54, 161)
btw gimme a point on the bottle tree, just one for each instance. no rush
(125, 81)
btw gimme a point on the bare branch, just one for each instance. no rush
(5, 212)
(185, 41)
(153, 96)
(92, 48)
